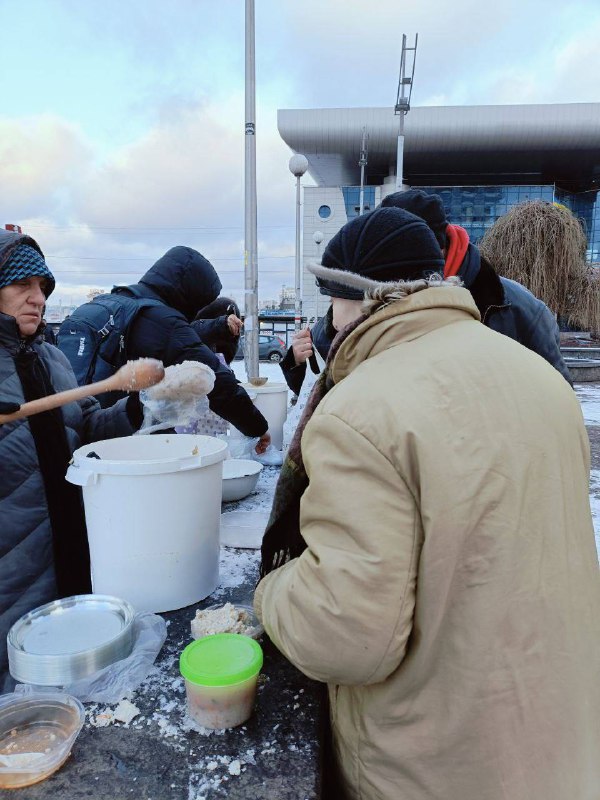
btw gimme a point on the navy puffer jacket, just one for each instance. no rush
(184, 281)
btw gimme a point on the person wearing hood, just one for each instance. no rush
(430, 553)
(504, 305)
(43, 542)
(181, 282)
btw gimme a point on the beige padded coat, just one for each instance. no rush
(449, 594)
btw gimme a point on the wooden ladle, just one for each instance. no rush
(132, 377)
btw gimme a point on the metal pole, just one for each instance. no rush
(298, 271)
(250, 235)
(362, 163)
(400, 155)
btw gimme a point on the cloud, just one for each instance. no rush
(38, 157)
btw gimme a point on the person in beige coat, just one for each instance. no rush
(448, 590)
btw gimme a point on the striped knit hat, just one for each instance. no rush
(25, 262)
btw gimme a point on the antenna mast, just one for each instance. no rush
(362, 163)
(402, 106)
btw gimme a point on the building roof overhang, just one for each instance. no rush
(452, 145)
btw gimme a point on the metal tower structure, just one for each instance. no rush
(403, 96)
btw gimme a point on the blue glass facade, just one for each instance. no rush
(476, 208)
(352, 200)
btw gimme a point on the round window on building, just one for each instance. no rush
(324, 212)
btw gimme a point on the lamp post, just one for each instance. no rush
(318, 237)
(250, 227)
(298, 166)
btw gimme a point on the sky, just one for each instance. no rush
(122, 123)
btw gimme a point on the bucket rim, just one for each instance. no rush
(210, 451)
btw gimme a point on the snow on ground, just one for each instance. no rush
(595, 504)
(589, 397)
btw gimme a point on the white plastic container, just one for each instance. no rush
(272, 402)
(221, 674)
(152, 507)
(240, 476)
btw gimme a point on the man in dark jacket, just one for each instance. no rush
(43, 543)
(183, 281)
(505, 306)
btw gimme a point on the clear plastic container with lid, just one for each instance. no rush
(221, 673)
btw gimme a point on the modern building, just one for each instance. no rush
(480, 159)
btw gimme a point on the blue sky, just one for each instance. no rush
(121, 123)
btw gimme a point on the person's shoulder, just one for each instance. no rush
(521, 299)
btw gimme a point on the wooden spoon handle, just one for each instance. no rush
(58, 399)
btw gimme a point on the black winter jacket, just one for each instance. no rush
(322, 334)
(184, 281)
(27, 577)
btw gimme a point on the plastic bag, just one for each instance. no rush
(179, 398)
(116, 681)
(270, 458)
(241, 446)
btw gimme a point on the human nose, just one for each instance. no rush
(37, 297)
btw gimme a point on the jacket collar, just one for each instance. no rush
(10, 336)
(403, 321)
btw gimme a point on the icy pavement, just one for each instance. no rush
(589, 397)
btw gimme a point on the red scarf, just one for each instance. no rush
(458, 242)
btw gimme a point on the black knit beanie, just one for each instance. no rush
(385, 245)
(427, 206)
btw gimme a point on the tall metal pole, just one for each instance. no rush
(362, 163)
(298, 270)
(402, 106)
(250, 235)
(317, 239)
(298, 166)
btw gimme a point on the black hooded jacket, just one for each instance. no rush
(184, 282)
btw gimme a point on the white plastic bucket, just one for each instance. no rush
(272, 402)
(153, 507)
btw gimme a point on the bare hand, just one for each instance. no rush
(263, 443)
(234, 324)
(302, 346)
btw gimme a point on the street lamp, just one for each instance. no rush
(298, 166)
(318, 237)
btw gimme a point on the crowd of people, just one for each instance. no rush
(430, 553)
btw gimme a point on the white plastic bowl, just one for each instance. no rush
(240, 476)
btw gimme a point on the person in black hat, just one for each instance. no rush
(505, 305)
(430, 553)
(43, 540)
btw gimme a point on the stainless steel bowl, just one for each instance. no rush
(69, 639)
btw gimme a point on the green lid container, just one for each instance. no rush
(222, 659)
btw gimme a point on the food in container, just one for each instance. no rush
(37, 732)
(226, 619)
(221, 673)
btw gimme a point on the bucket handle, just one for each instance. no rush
(80, 477)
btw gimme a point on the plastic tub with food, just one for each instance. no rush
(226, 619)
(221, 673)
(37, 732)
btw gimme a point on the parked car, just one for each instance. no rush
(270, 348)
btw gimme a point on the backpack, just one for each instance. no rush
(94, 337)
